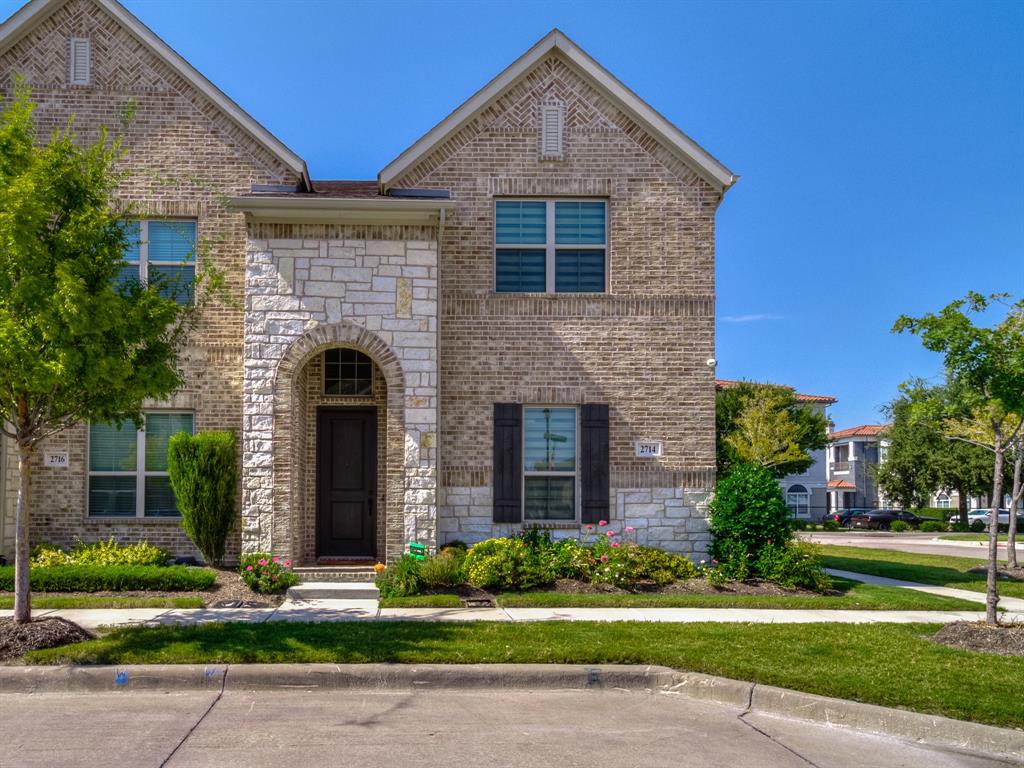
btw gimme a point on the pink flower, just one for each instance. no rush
(276, 559)
(769, 542)
(262, 561)
(590, 527)
(248, 568)
(615, 544)
(609, 534)
(602, 522)
(604, 558)
(629, 529)
(287, 563)
(274, 577)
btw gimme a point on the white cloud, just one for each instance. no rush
(756, 318)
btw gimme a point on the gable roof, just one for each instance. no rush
(827, 399)
(697, 158)
(864, 430)
(32, 13)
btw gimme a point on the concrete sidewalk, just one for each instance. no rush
(1010, 604)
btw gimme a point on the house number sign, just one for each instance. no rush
(648, 449)
(57, 459)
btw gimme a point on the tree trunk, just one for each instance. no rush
(991, 590)
(1015, 496)
(22, 597)
(961, 504)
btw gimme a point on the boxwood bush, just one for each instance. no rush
(932, 526)
(112, 578)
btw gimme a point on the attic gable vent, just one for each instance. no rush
(552, 124)
(79, 60)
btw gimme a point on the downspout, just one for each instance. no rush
(437, 438)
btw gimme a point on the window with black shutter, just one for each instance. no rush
(594, 472)
(508, 462)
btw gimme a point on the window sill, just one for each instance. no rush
(133, 520)
(551, 524)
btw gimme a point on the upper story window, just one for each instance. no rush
(347, 372)
(79, 61)
(128, 468)
(162, 251)
(550, 246)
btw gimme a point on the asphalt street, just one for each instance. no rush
(299, 728)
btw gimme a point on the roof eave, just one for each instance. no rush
(695, 156)
(340, 210)
(29, 15)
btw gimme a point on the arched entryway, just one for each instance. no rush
(338, 466)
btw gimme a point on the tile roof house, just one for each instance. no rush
(853, 454)
(487, 336)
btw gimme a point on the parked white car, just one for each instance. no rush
(983, 516)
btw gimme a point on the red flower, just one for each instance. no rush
(590, 527)
(609, 534)
(263, 561)
(276, 559)
(248, 567)
(604, 558)
(602, 522)
(615, 544)
(287, 563)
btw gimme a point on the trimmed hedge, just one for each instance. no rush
(113, 578)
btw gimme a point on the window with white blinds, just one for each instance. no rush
(552, 118)
(79, 59)
(128, 468)
(162, 252)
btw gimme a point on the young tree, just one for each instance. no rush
(921, 459)
(767, 425)
(1015, 499)
(985, 371)
(74, 345)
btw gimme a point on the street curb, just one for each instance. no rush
(921, 728)
(242, 677)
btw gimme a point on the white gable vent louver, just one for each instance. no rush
(80, 55)
(552, 119)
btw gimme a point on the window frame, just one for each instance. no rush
(550, 247)
(803, 508)
(575, 474)
(323, 366)
(140, 473)
(143, 262)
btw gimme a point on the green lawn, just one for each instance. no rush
(887, 664)
(422, 601)
(854, 596)
(974, 537)
(43, 602)
(940, 570)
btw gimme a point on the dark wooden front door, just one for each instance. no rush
(346, 471)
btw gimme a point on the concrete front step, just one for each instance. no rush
(334, 590)
(337, 573)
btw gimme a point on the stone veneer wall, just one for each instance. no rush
(641, 346)
(184, 158)
(312, 287)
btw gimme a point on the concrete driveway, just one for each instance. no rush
(560, 728)
(920, 543)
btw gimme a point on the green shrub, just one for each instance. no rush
(628, 565)
(203, 471)
(568, 560)
(48, 556)
(266, 573)
(111, 553)
(456, 544)
(508, 564)
(959, 527)
(794, 564)
(900, 526)
(112, 578)
(977, 526)
(830, 525)
(444, 570)
(932, 526)
(748, 512)
(401, 579)
(799, 525)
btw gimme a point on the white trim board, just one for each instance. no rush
(697, 158)
(32, 13)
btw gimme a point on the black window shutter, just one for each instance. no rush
(594, 463)
(508, 462)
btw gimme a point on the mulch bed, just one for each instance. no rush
(17, 639)
(1010, 574)
(976, 636)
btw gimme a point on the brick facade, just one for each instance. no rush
(418, 299)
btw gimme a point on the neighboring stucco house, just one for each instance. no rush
(853, 455)
(806, 493)
(511, 326)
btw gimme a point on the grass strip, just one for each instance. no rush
(939, 570)
(49, 602)
(422, 601)
(972, 537)
(855, 596)
(892, 665)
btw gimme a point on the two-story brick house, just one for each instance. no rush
(513, 325)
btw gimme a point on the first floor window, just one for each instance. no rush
(347, 372)
(128, 467)
(798, 500)
(549, 463)
(942, 502)
(161, 251)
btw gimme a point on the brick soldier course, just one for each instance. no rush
(402, 269)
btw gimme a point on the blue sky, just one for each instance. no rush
(880, 145)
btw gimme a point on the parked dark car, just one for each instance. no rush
(842, 516)
(882, 519)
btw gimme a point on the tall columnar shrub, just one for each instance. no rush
(204, 476)
(748, 513)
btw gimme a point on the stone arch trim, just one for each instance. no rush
(290, 519)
